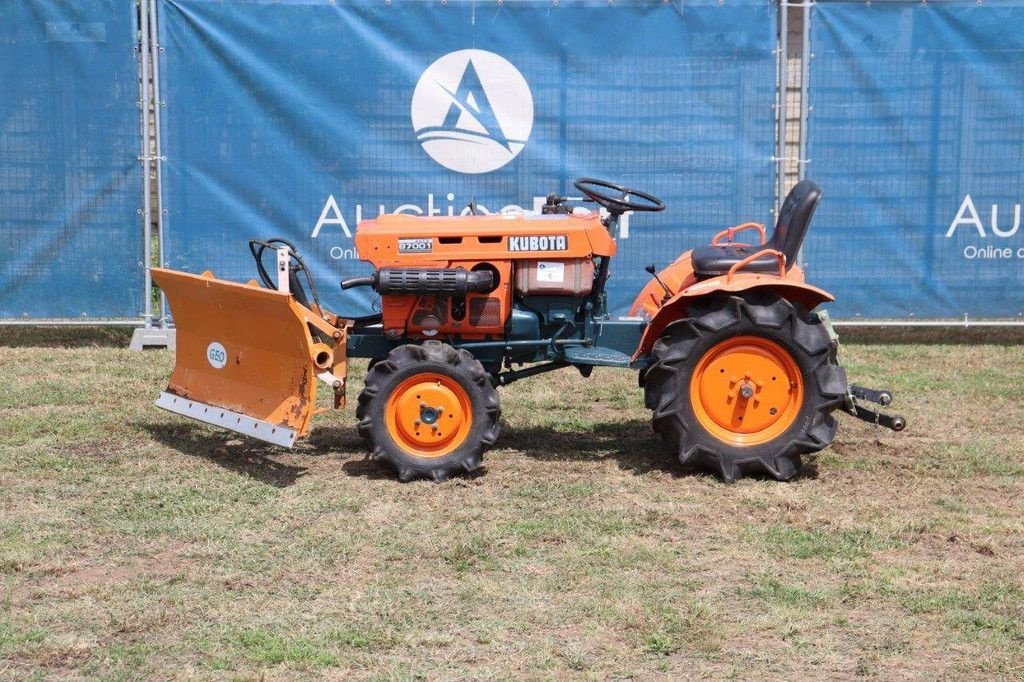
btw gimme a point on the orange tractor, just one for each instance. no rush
(737, 363)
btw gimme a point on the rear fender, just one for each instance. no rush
(677, 277)
(792, 287)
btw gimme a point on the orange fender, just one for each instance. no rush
(685, 288)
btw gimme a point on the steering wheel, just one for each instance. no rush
(627, 199)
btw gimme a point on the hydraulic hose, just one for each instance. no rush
(258, 247)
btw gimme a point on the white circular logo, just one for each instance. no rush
(216, 355)
(472, 111)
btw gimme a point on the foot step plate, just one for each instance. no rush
(591, 355)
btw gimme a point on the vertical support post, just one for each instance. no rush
(148, 335)
(145, 158)
(154, 45)
(805, 78)
(780, 110)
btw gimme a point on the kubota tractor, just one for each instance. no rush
(737, 363)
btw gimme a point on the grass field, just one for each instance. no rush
(135, 544)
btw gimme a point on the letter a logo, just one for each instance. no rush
(472, 111)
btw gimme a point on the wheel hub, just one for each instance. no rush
(429, 415)
(747, 390)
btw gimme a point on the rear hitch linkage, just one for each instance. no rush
(883, 398)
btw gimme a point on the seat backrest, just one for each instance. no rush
(794, 219)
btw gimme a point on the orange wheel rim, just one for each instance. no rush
(746, 391)
(429, 415)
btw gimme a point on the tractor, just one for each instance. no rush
(737, 362)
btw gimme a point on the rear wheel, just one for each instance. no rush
(746, 385)
(428, 411)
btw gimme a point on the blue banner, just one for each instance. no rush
(917, 137)
(70, 178)
(297, 118)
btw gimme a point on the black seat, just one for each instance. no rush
(790, 230)
(712, 261)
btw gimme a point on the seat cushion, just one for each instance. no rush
(711, 261)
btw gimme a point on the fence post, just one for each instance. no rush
(780, 109)
(148, 335)
(144, 157)
(805, 78)
(155, 50)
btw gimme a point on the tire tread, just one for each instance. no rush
(471, 457)
(674, 354)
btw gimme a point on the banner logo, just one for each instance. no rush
(472, 111)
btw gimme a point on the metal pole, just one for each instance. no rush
(805, 77)
(154, 43)
(148, 336)
(783, 75)
(145, 158)
(805, 72)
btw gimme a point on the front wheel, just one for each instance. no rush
(428, 411)
(746, 385)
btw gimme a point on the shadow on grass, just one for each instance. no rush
(244, 456)
(345, 439)
(631, 444)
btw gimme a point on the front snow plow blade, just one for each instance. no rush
(248, 358)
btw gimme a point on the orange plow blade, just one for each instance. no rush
(246, 357)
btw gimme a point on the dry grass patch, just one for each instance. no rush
(134, 544)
